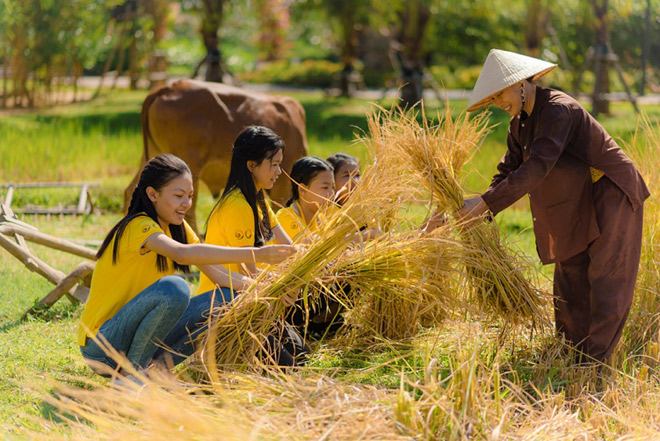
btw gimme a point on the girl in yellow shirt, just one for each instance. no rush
(313, 187)
(136, 305)
(242, 217)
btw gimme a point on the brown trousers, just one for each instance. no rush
(594, 289)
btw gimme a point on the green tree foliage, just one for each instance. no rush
(464, 32)
(44, 41)
(628, 25)
(345, 18)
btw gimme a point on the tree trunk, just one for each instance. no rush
(157, 64)
(158, 10)
(536, 25)
(77, 73)
(601, 103)
(414, 19)
(349, 45)
(133, 62)
(345, 79)
(133, 55)
(646, 46)
(211, 22)
(5, 63)
(412, 90)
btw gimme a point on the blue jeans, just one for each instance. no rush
(161, 316)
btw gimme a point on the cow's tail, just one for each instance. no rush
(146, 134)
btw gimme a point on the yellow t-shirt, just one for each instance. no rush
(114, 285)
(232, 225)
(294, 224)
(291, 222)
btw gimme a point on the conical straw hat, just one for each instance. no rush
(501, 70)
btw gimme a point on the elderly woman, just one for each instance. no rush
(586, 198)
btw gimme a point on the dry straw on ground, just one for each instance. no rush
(235, 407)
(460, 380)
(469, 387)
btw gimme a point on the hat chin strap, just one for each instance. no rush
(523, 97)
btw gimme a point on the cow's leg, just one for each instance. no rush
(281, 191)
(214, 174)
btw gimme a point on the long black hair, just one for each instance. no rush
(254, 143)
(158, 172)
(304, 170)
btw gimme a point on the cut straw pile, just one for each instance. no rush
(437, 155)
(402, 279)
(240, 334)
(398, 282)
(238, 337)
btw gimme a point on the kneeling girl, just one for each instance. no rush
(243, 218)
(136, 304)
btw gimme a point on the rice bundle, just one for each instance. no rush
(240, 334)
(238, 337)
(398, 282)
(437, 155)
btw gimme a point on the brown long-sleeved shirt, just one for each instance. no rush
(548, 157)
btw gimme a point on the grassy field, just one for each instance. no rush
(100, 141)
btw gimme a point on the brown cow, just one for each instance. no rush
(198, 122)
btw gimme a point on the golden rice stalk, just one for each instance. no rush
(437, 156)
(240, 334)
(497, 276)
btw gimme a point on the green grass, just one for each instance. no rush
(100, 141)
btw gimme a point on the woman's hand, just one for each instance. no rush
(273, 254)
(473, 209)
(436, 220)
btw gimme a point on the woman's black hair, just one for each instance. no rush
(338, 160)
(304, 170)
(157, 173)
(254, 143)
